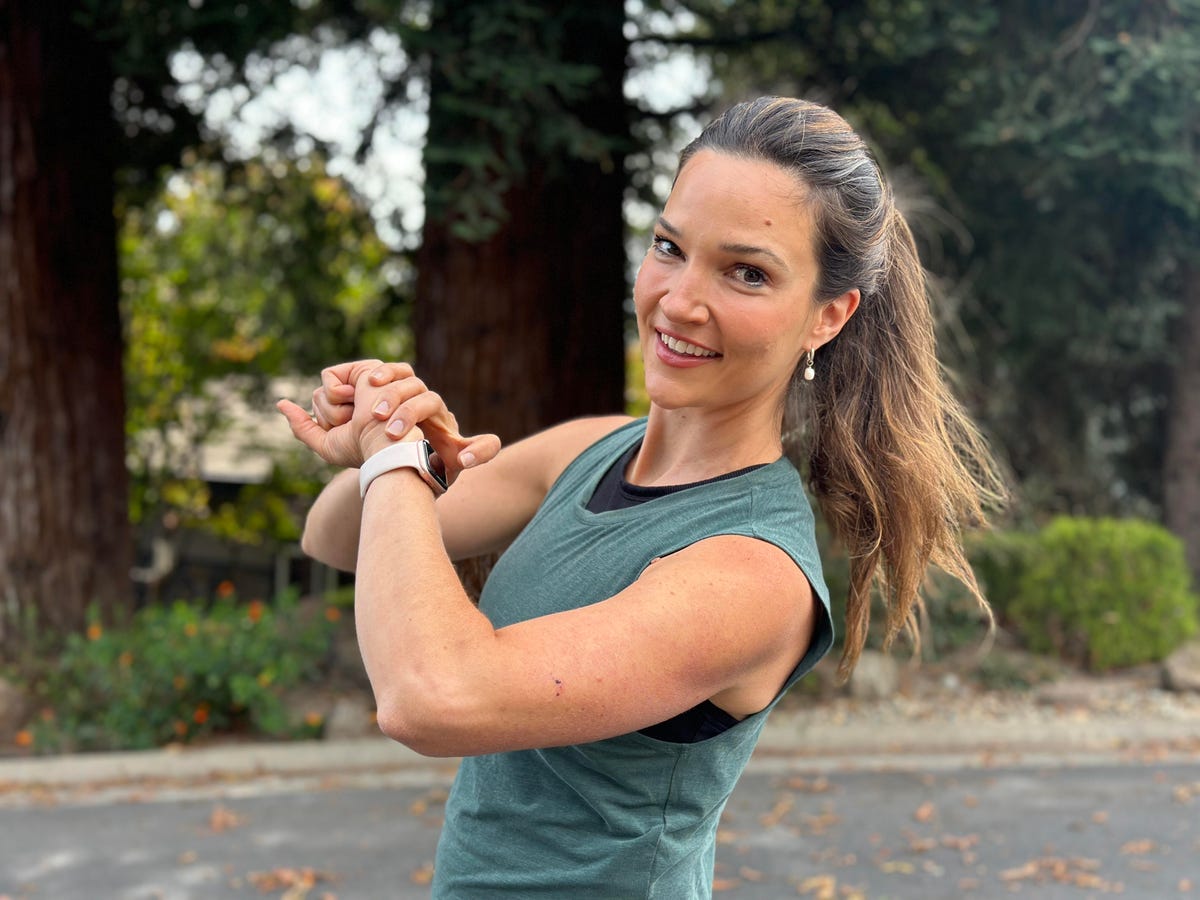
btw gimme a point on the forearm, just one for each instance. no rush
(418, 631)
(331, 529)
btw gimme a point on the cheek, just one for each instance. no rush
(644, 291)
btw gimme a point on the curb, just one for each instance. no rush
(788, 742)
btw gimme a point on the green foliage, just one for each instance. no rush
(230, 276)
(1105, 593)
(180, 672)
(999, 559)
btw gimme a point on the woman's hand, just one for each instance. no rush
(362, 406)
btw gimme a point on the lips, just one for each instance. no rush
(685, 348)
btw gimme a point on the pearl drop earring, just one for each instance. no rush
(809, 372)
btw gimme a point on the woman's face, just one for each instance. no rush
(724, 297)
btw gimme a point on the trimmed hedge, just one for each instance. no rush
(1101, 593)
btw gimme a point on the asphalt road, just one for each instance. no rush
(933, 830)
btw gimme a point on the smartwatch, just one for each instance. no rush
(405, 455)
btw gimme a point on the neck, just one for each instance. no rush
(685, 445)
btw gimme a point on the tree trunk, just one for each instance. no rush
(525, 328)
(64, 529)
(1181, 464)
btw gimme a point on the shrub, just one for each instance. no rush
(1104, 593)
(999, 559)
(175, 673)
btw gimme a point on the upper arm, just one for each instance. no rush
(727, 616)
(487, 506)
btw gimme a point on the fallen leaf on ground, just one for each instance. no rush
(1186, 793)
(726, 884)
(293, 881)
(783, 805)
(1080, 872)
(222, 819)
(815, 786)
(822, 887)
(422, 875)
(925, 812)
(1138, 848)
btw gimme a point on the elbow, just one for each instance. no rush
(319, 551)
(427, 726)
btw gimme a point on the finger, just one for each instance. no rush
(330, 415)
(480, 449)
(336, 390)
(347, 373)
(389, 372)
(426, 409)
(303, 427)
(386, 400)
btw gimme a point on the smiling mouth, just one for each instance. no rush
(685, 348)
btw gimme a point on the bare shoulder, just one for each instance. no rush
(491, 503)
(550, 451)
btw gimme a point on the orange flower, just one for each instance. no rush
(313, 720)
(200, 716)
(332, 613)
(254, 611)
(225, 589)
(94, 632)
(190, 629)
(23, 739)
(125, 660)
(179, 727)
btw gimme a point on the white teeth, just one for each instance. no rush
(684, 347)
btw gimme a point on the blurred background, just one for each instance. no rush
(203, 202)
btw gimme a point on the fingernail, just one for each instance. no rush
(466, 459)
(377, 374)
(382, 408)
(397, 428)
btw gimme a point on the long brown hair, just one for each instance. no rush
(895, 463)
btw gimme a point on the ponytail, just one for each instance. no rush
(896, 465)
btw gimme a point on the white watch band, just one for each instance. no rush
(401, 455)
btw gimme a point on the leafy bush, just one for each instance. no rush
(175, 673)
(1104, 593)
(999, 559)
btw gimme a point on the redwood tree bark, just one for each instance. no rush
(525, 329)
(1181, 464)
(64, 533)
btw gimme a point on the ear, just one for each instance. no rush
(832, 316)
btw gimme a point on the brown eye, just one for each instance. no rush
(751, 276)
(665, 246)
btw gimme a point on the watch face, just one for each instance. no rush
(434, 465)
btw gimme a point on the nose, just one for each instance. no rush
(686, 298)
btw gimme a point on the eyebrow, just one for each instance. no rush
(736, 249)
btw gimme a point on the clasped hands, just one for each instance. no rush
(362, 407)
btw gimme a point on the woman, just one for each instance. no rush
(660, 587)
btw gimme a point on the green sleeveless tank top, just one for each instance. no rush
(630, 816)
